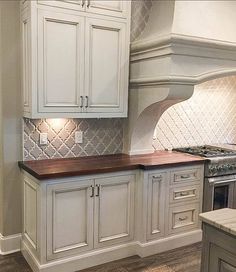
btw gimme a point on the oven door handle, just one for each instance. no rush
(222, 181)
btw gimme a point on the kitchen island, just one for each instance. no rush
(219, 241)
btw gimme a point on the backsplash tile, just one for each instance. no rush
(208, 117)
(100, 136)
(140, 11)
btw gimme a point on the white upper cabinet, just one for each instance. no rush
(105, 67)
(75, 58)
(106, 7)
(60, 62)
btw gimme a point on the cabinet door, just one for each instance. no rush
(221, 260)
(67, 4)
(60, 61)
(114, 210)
(108, 7)
(69, 218)
(156, 206)
(106, 76)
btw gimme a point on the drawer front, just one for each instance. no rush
(185, 175)
(186, 193)
(183, 218)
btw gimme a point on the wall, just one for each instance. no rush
(101, 136)
(11, 143)
(208, 117)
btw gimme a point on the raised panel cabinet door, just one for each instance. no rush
(67, 4)
(106, 66)
(156, 206)
(114, 210)
(109, 7)
(60, 61)
(69, 218)
(221, 260)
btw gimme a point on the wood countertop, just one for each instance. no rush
(58, 168)
(224, 219)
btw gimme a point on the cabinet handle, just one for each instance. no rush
(87, 102)
(159, 178)
(92, 194)
(183, 218)
(88, 4)
(83, 2)
(185, 176)
(98, 190)
(184, 193)
(81, 101)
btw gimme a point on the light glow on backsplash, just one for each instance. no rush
(208, 117)
(100, 136)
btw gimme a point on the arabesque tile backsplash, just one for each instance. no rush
(208, 117)
(100, 136)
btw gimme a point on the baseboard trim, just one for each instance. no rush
(101, 256)
(9, 244)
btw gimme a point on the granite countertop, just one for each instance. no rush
(56, 168)
(224, 219)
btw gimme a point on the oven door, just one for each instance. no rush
(219, 193)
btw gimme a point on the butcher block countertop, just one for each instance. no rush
(58, 168)
(224, 219)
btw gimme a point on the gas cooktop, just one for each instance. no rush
(207, 151)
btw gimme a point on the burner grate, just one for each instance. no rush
(207, 151)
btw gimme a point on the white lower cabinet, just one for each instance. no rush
(156, 205)
(69, 218)
(80, 214)
(78, 222)
(114, 210)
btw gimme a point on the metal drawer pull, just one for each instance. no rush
(98, 190)
(83, 2)
(184, 193)
(183, 218)
(88, 4)
(81, 101)
(185, 176)
(87, 102)
(157, 177)
(92, 195)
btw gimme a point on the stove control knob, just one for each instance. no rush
(213, 169)
(230, 167)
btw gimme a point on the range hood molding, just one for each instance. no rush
(163, 71)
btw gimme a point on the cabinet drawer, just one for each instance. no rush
(185, 175)
(183, 218)
(186, 193)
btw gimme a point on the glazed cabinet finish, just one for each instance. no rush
(174, 201)
(75, 58)
(114, 210)
(156, 205)
(60, 61)
(69, 218)
(86, 220)
(81, 214)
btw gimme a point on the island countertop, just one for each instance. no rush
(223, 219)
(57, 168)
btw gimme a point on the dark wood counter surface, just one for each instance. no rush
(58, 168)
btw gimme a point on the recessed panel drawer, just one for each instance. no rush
(185, 175)
(183, 218)
(186, 193)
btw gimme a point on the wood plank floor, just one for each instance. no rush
(186, 259)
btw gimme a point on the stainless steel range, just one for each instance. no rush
(220, 175)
